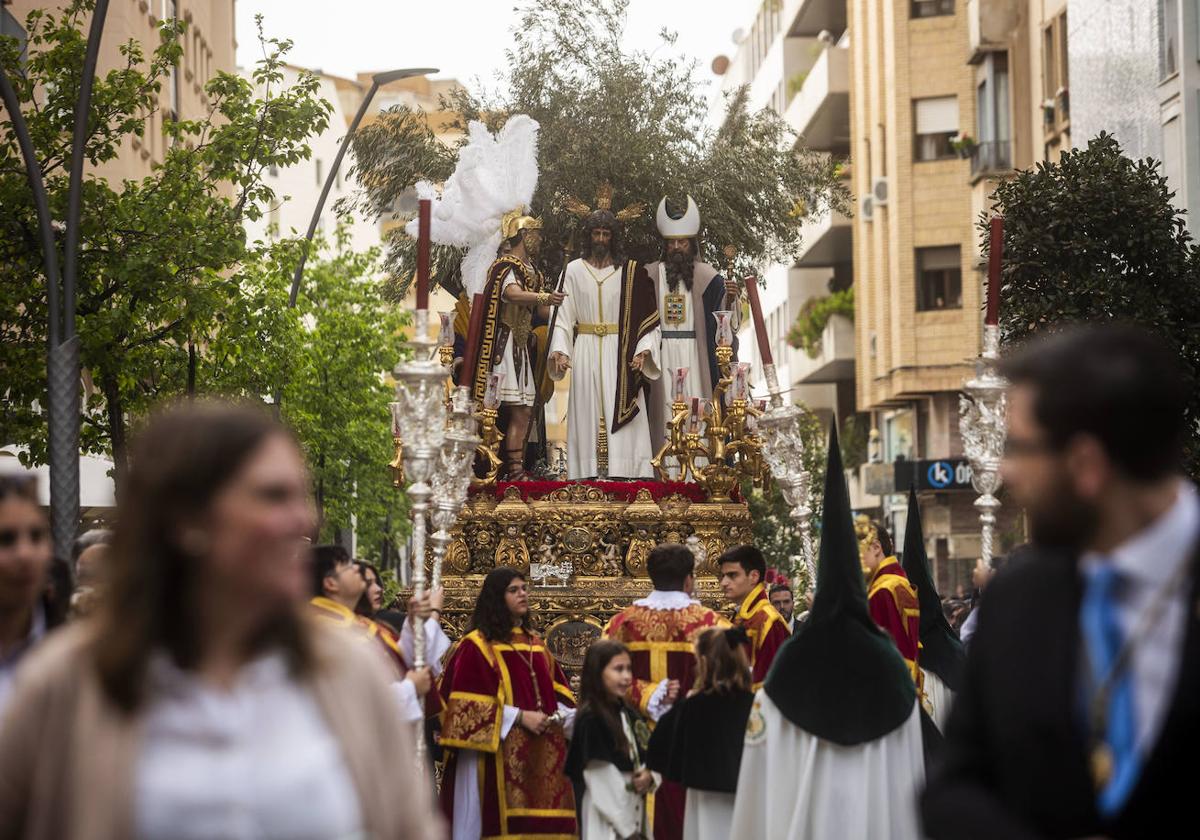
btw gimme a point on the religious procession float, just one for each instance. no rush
(662, 428)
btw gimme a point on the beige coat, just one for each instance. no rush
(67, 755)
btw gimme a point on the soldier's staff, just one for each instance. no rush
(540, 371)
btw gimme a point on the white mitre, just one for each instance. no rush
(686, 227)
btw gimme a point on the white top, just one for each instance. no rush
(659, 600)
(255, 762)
(1146, 563)
(10, 660)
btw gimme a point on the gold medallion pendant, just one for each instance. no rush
(1101, 765)
(675, 309)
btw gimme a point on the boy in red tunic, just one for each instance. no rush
(742, 571)
(660, 631)
(891, 597)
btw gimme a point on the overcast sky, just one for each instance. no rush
(463, 38)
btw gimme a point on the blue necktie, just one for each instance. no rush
(1103, 636)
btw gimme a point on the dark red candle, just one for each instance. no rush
(474, 327)
(760, 327)
(423, 254)
(995, 255)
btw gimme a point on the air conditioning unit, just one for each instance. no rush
(867, 208)
(879, 191)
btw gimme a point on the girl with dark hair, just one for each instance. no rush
(371, 601)
(698, 744)
(508, 713)
(607, 758)
(203, 702)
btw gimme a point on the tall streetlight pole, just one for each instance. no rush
(377, 81)
(62, 363)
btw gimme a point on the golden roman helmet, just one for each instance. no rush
(515, 221)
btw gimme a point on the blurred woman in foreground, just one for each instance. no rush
(201, 702)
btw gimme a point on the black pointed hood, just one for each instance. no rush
(840, 677)
(941, 651)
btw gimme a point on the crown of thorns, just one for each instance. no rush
(604, 197)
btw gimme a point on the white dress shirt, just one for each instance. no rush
(10, 659)
(256, 761)
(1147, 561)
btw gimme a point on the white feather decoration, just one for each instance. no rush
(495, 174)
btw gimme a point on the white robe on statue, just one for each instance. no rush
(594, 297)
(795, 786)
(940, 699)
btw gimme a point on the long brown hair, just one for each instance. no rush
(182, 459)
(593, 697)
(721, 664)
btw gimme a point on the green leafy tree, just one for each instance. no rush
(159, 282)
(774, 530)
(336, 397)
(1094, 237)
(635, 119)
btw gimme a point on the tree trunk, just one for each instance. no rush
(113, 406)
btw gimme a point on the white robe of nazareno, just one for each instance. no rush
(796, 786)
(594, 297)
(940, 699)
(708, 815)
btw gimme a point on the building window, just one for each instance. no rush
(932, 8)
(1168, 38)
(992, 115)
(939, 278)
(937, 123)
(320, 172)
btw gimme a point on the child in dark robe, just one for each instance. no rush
(606, 761)
(698, 744)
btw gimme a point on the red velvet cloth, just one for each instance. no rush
(620, 490)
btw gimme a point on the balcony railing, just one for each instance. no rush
(991, 157)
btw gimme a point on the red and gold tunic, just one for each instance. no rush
(523, 792)
(767, 631)
(331, 612)
(662, 645)
(895, 608)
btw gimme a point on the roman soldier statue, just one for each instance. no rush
(512, 295)
(688, 292)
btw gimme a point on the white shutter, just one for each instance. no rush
(937, 116)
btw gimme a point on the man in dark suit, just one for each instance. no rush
(1079, 714)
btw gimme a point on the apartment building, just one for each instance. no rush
(794, 58)
(209, 44)
(1137, 74)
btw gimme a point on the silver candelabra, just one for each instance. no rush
(419, 416)
(781, 430)
(452, 475)
(982, 410)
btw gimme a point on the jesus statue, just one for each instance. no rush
(608, 333)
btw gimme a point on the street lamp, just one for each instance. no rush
(378, 80)
(62, 357)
